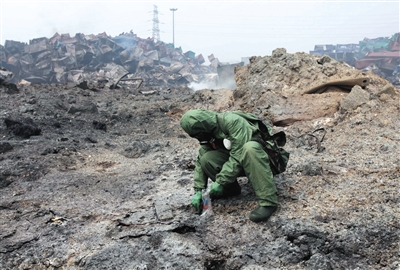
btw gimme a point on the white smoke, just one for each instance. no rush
(200, 86)
(214, 82)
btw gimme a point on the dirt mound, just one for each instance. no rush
(291, 87)
(107, 181)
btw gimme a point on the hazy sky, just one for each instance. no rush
(228, 29)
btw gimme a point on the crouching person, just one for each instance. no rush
(231, 145)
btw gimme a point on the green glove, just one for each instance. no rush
(216, 191)
(196, 201)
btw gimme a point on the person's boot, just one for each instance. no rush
(233, 189)
(262, 213)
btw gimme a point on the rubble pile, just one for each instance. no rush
(100, 58)
(381, 55)
(284, 86)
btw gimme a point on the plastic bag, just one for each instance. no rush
(206, 208)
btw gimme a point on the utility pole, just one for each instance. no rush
(156, 30)
(173, 25)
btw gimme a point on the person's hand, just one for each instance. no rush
(216, 191)
(196, 201)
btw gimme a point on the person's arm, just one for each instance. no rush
(200, 178)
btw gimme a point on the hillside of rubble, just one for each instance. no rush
(102, 59)
(100, 177)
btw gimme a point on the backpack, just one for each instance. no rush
(273, 144)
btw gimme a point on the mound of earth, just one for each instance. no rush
(102, 178)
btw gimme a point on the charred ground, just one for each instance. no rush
(101, 178)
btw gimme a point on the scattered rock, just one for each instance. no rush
(5, 147)
(24, 128)
(356, 98)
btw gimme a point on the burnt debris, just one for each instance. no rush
(124, 59)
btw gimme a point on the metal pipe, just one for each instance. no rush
(173, 25)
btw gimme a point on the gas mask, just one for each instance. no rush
(204, 138)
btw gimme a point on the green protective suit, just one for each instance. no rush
(245, 158)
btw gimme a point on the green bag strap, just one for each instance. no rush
(221, 122)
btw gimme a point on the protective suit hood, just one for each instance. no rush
(199, 121)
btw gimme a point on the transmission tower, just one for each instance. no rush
(156, 30)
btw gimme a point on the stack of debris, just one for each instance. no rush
(382, 52)
(339, 52)
(382, 55)
(101, 58)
